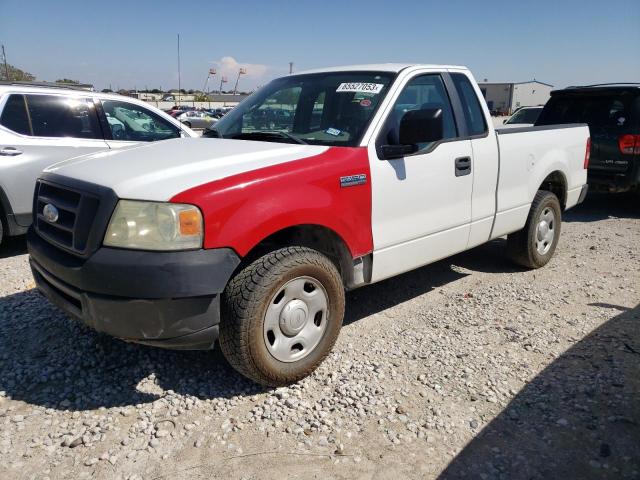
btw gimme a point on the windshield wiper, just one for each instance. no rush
(270, 134)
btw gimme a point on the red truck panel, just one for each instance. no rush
(241, 210)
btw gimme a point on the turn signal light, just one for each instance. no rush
(190, 222)
(629, 144)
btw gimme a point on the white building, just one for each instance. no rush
(504, 98)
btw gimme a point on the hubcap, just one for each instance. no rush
(545, 231)
(296, 319)
(293, 317)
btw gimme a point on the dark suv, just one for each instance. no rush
(612, 112)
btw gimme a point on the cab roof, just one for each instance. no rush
(379, 67)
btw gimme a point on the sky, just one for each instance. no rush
(133, 44)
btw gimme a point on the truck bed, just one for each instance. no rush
(535, 152)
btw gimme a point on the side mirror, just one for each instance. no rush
(504, 121)
(416, 126)
(421, 126)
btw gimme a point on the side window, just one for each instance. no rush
(131, 122)
(14, 115)
(61, 116)
(424, 92)
(470, 105)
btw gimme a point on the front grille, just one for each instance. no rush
(76, 213)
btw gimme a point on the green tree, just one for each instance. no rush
(15, 74)
(67, 80)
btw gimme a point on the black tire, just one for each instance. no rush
(1, 228)
(521, 246)
(245, 302)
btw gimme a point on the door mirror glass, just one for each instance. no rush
(421, 126)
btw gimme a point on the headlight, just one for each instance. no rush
(154, 226)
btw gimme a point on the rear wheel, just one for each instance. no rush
(281, 315)
(534, 245)
(1, 228)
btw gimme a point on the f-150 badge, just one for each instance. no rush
(353, 180)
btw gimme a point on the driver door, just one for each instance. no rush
(421, 202)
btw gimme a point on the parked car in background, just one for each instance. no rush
(41, 125)
(219, 112)
(612, 112)
(178, 110)
(251, 239)
(197, 119)
(524, 116)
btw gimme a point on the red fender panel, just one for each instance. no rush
(242, 210)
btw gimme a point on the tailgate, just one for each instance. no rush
(605, 151)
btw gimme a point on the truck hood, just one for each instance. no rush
(158, 171)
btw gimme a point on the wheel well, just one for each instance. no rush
(3, 213)
(556, 184)
(319, 238)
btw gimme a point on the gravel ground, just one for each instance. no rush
(466, 368)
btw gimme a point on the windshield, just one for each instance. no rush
(330, 109)
(525, 115)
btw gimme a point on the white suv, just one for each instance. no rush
(42, 125)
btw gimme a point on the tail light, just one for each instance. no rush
(629, 144)
(587, 154)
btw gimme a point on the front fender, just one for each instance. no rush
(241, 210)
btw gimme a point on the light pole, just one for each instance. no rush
(179, 86)
(242, 71)
(212, 73)
(223, 79)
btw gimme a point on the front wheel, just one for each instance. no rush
(281, 315)
(534, 245)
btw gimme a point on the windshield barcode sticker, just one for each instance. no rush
(360, 87)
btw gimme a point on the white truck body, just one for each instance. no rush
(319, 182)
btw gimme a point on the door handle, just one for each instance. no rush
(462, 166)
(10, 152)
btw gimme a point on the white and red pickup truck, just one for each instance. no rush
(318, 182)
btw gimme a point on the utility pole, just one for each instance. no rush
(179, 85)
(290, 68)
(4, 59)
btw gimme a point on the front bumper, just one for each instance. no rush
(165, 299)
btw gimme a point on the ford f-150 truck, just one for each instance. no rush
(251, 238)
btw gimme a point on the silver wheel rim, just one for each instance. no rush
(296, 319)
(545, 231)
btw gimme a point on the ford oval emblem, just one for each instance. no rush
(50, 213)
